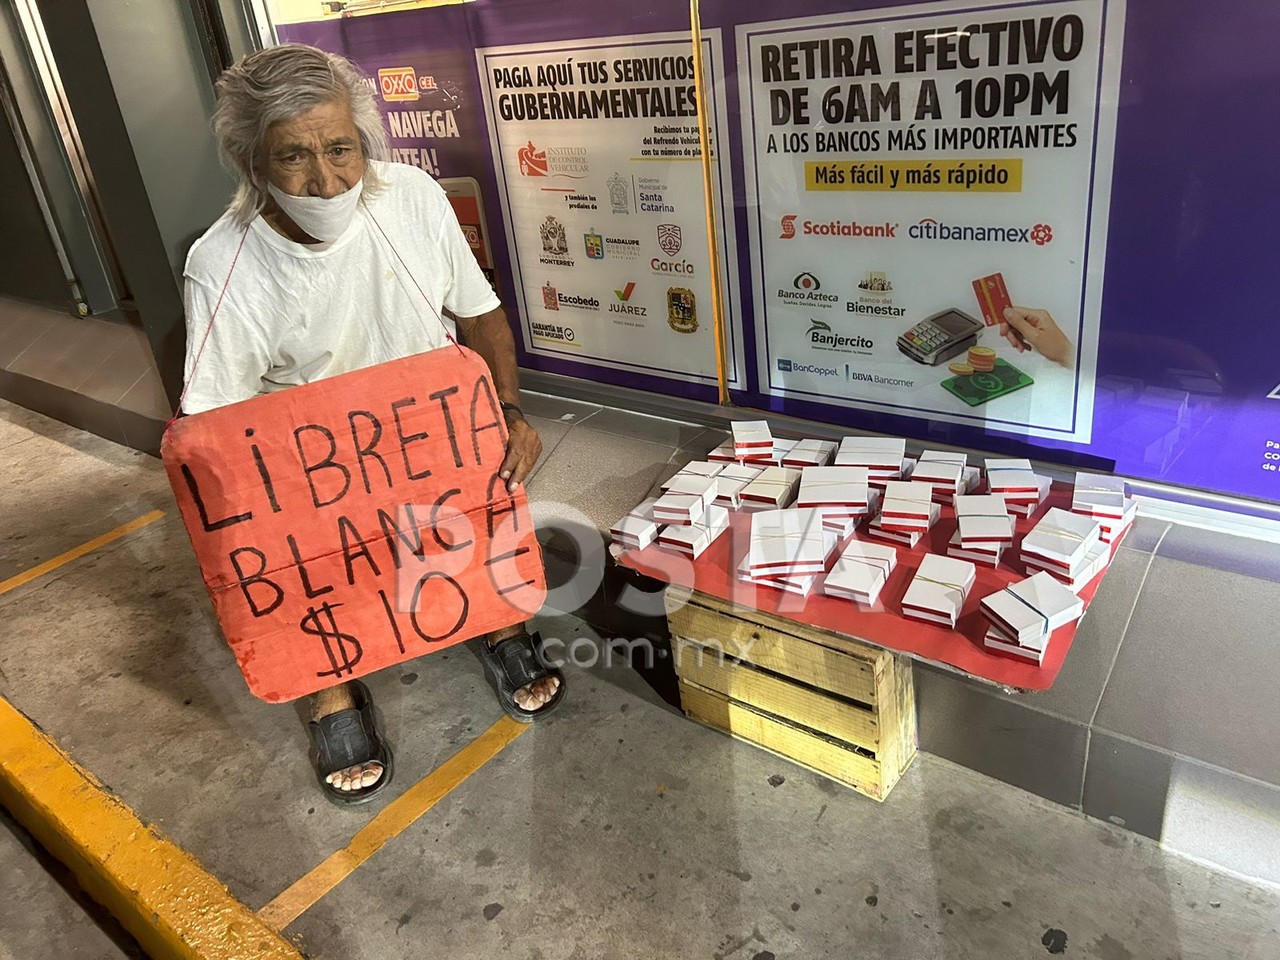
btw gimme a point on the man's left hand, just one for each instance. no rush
(524, 446)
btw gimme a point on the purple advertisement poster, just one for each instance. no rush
(1103, 165)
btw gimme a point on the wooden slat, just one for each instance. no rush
(808, 708)
(776, 736)
(897, 718)
(850, 672)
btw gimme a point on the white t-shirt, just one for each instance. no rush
(294, 313)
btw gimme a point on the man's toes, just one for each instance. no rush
(372, 772)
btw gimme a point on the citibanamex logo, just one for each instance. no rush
(1041, 233)
(788, 227)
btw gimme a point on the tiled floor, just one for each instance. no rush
(618, 821)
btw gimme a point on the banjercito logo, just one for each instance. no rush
(930, 229)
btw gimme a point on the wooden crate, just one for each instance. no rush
(839, 707)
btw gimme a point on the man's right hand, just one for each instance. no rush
(1029, 329)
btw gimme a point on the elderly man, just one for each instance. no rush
(329, 259)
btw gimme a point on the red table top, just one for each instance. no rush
(884, 625)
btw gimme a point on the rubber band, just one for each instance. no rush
(1044, 631)
(942, 583)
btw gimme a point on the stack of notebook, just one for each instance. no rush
(1024, 615)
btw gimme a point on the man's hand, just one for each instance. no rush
(1028, 329)
(524, 446)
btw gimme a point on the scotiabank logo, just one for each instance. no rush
(1040, 234)
(849, 229)
(398, 83)
(788, 227)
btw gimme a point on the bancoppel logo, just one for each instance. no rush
(821, 337)
(670, 239)
(555, 243)
(623, 305)
(398, 84)
(666, 268)
(550, 299)
(566, 162)
(806, 291)
(594, 244)
(552, 331)
(788, 227)
(619, 194)
(791, 366)
(850, 229)
(1040, 234)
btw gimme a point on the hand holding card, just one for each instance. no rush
(1030, 329)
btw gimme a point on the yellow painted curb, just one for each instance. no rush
(159, 892)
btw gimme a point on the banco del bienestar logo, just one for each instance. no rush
(1040, 234)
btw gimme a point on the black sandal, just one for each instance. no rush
(345, 739)
(513, 664)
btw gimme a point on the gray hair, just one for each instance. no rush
(281, 83)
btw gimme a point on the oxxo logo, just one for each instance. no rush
(398, 84)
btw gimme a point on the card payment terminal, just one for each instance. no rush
(940, 337)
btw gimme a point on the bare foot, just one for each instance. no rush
(362, 775)
(532, 696)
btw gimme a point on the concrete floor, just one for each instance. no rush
(618, 828)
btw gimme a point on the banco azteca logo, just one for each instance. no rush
(806, 282)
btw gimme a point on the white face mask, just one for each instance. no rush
(325, 218)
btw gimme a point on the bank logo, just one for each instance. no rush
(682, 310)
(843, 229)
(554, 240)
(876, 282)
(569, 162)
(791, 366)
(788, 227)
(806, 291)
(550, 299)
(670, 239)
(821, 337)
(619, 194)
(594, 244)
(398, 84)
(625, 293)
(1041, 234)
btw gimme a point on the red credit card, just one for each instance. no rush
(993, 298)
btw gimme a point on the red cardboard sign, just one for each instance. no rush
(356, 522)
